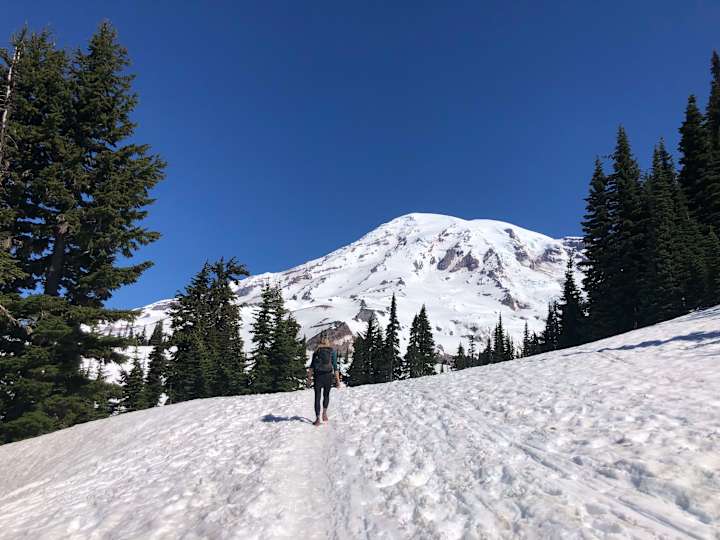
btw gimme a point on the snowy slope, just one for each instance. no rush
(615, 439)
(465, 271)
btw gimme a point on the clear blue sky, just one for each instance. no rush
(292, 128)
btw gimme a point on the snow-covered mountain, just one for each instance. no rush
(466, 272)
(614, 439)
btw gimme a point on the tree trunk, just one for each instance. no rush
(5, 119)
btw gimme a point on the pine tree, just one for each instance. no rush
(487, 354)
(392, 345)
(626, 239)
(157, 367)
(713, 109)
(262, 331)
(571, 312)
(694, 151)
(712, 261)
(597, 227)
(660, 290)
(366, 348)
(78, 195)
(499, 353)
(472, 359)
(459, 361)
(425, 354)
(188, 373)
(133, 387)
(223, 331)
(287, 350)
(526, 343)
(551, 334)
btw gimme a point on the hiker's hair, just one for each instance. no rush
(324, 342)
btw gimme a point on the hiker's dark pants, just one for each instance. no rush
(322, 383)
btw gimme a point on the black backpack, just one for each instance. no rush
(323, 360)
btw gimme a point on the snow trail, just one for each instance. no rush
(614, 439)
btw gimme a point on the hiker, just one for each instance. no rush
(323, 372)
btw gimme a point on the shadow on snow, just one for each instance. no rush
(273, 418)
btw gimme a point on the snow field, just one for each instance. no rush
(614, 439)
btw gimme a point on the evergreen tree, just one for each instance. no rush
(392, 345)
(499, 352)
(713, 109)
(78, 195)
(487, 354)
(261, 371)
(712, 261)
(571, 313)
(223, 331)
(188, 373)
(359, 370)
(423, 358)
(367, 349)
(597, 227)
(660, 290)
(550, 337)
(626, 238)
(472, 359)
(133, 387)
(287, 350)
(526, 343)
(694, 151)
(157, 367)
(459, 361)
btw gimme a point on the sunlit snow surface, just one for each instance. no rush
(617, 439)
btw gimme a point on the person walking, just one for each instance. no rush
(323, 372)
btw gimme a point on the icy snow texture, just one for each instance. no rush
(615, 439)
(466, 272)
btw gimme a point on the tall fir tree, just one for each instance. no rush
(424, 356)
(133, 387)
(287, 349)
(551, 334)
(626, 238)
(261, 370)
(157, 368)
(79, 193)
(393, 359)
(571, 312)
(694, 150)
(660, 289)
(459, 361)
(712, 113)
(597, 227)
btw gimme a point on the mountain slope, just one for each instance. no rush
(465, 271)
(618, 438)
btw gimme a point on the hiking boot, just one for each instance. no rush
(325, 418)
(316, 422)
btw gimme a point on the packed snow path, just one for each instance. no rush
(616, 439)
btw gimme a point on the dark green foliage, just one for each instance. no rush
(626, 236)
(694, 150)
(421, 356)
(713, 109)
(597, 228)
(551, 335)
(133, 392)
(278, 355)
(209, 358)
(157, 368)
(392, 358)
(661, 295)
(74, 195)
(368, 353)
(459, 361)
(571, 311)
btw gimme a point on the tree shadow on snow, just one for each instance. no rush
(695, 336)
(273, 418)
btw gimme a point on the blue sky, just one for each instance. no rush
(292, 128)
